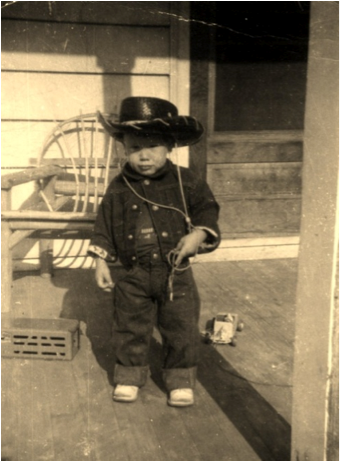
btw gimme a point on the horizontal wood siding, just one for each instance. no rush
(250, 88)
(260, 95)
(131, 13)
(15, 135)
(33, 135)
(78, 48)
(64, 58)
(256, 178)
(267, 216)
(261, 146)
(55, 96)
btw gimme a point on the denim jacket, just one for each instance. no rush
(114, 234)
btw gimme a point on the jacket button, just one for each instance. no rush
(133, 258)
(147, 182)
(155, 256)
(165, 234)
(134, 207)
(155, 208)
(130, 236)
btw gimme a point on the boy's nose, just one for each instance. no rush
(144, 154)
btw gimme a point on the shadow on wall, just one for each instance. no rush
(70, 57)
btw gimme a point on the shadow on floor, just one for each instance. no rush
(87, 303)
(262, 427)
(256, 420)
(259, 423)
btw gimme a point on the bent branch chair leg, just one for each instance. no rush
(46, 258)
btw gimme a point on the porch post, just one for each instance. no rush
(316, 366)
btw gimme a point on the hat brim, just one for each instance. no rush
(185, 130)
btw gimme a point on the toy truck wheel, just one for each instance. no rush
(233, 342)
(240, 326)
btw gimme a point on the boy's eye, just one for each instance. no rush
(137, 147)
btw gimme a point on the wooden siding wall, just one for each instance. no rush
(60, 59)
(254, 168)
(256, 177)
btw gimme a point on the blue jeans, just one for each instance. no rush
(141, 301)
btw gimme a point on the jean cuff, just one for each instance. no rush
(130, 375)
(179, 378)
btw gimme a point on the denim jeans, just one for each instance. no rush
(141, 301)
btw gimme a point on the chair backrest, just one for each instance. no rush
(89, 157)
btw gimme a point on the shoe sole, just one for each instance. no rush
(121, 400)
(178, 404)
(124, 400)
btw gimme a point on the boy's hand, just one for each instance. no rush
(103, 275)
(188, 245)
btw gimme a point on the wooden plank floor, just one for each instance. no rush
(62, 410)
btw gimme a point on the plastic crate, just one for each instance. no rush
(40, 339)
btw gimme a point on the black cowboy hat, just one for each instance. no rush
(140, 114)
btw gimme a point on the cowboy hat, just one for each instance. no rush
(140, 114)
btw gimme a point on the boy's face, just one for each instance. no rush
(146, 154)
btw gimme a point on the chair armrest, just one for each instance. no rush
(31, 215)
(30, 174)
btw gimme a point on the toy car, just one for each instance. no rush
(222, 329)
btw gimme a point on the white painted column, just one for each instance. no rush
(315, 311)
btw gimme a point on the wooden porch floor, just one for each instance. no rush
(62, 410)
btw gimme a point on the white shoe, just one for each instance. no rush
(126, 393)
(181, 397)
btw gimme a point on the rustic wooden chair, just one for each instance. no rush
(72, 171)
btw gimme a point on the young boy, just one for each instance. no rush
(153, 217)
